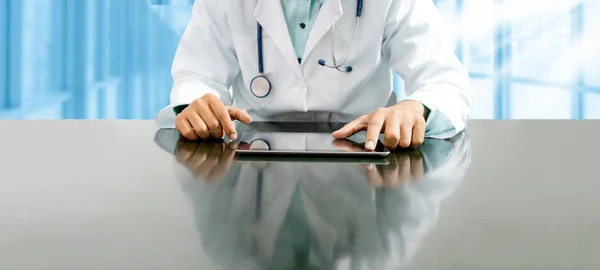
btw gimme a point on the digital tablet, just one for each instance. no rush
(305, 144)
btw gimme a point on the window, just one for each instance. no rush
(530, 59)
(541, 46)
(483, 99)
(530, 101)
(592, 103)
(590, 55)
(477, 36)
(36, 49)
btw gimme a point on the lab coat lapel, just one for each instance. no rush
(269, 13)
(329, 14)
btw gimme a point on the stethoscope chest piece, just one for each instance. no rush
(260, 86)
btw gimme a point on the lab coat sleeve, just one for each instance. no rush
(205, 61)
(416, 49)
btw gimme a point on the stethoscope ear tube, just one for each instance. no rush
(335, 65)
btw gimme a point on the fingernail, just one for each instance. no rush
(232, 146)
(233, 136)
(370, 145)
(370, 167)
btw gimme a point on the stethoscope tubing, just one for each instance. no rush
(260, 48)
(259, 41)
(335, 64)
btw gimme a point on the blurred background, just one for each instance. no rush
(97, 59)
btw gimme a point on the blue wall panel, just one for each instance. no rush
(112, 58)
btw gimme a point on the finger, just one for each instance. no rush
(229, 152)
(219, 171)
(203, 171)
(392, 132)
(351, 128)
(376, 122)
(240, 115)
(390, 175)
(217, 150)
(200, 155)
(222, 115)
(184, 150)
(373, 175)
(417, 169)
(185, 128)
(199, 126)
(210, 119)
(405, 134)
(418, 133)
(404, 169)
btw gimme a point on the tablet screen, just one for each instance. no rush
(304, 143)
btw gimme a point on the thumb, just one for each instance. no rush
(350, 129)
(239, 114)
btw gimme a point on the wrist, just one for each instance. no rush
(415, 106)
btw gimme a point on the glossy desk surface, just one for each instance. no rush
(117, 195)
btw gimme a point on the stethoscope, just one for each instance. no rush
(261, 87)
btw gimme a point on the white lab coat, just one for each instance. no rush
(218, 55)
(382, 227)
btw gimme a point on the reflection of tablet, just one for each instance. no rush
(305, 144)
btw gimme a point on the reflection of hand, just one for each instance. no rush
(244, 146)
(348, 145)
(209, 161)
(403, 168)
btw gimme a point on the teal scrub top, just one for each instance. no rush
(300, 16)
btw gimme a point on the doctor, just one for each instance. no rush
(318, 60)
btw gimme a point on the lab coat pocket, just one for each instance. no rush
(246, 48)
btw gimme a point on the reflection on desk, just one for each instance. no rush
(315, 215)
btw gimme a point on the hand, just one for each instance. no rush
(403, 125)
(209, 161)
(208, 115)
(403, 168)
